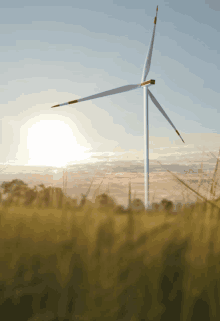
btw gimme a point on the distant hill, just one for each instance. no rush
(47, 173)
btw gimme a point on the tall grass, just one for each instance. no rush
(89, 262)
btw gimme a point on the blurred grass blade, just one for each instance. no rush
(214, 178)
(216, 183)
(182, 182)
(96, 193)
(201, 174)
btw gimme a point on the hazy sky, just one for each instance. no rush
(56, 51)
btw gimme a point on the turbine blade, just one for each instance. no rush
(148, 58)
(103, 94)
(163, 112)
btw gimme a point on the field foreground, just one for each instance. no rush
(91, 264)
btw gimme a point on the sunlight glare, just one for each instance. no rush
(52, 143)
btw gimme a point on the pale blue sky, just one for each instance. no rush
(55, 51)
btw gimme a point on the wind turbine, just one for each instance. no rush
(145, 84)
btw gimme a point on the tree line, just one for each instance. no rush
(17, 192)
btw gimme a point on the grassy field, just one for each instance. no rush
(94, 263)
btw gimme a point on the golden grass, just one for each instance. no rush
(92, 263)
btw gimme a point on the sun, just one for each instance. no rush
(53, 143)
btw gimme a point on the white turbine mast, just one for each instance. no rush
(144, 84)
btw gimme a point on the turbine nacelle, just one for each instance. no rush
(148, 82)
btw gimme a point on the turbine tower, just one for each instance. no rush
(144, 84)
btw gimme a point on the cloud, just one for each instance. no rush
(161, 148)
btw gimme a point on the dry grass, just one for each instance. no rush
(93, 262)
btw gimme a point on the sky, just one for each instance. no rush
(55, 51)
